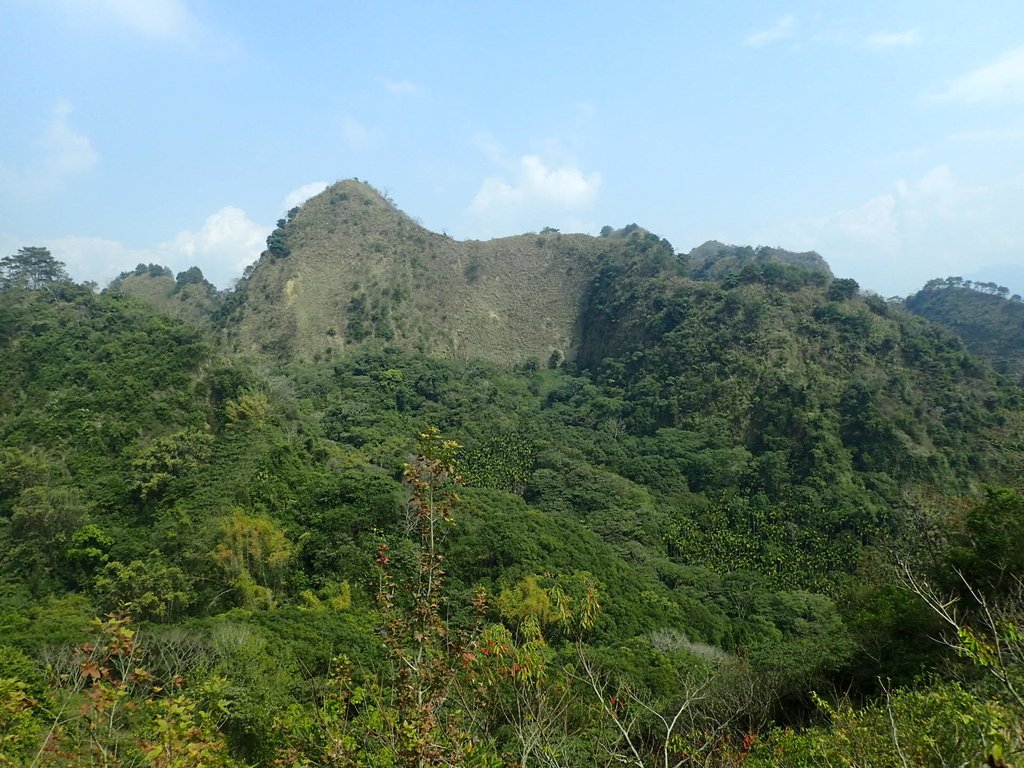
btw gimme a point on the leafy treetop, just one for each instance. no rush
(31, 267)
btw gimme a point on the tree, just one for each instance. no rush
(31, 267)
(193, 276)
(407, 718)
(254, 552)
(987, 631)
(842, 289)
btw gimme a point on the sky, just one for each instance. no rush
(889, 137)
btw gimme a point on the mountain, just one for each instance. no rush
(988, 320)
(349, 267)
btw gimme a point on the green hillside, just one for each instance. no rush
(189, 296)
(375, 548)
(988, 320)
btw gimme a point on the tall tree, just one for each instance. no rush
(31, 267)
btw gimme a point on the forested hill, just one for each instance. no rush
(714, 260)
(348, 267)
(984, 315)
(700, 516)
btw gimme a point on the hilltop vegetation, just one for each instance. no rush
(688, 496)
(984, 315)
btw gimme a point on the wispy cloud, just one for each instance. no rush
(60, 152)
(65, 151)
(226, 242)
(1010, 133)
(937, 225)
(999, 82)
(355, 133)
(97, 258)
(400, 87)
(881, 41)
(782, 29)
(935, 197)
(536, 195)
(302, 194)
(165, 20)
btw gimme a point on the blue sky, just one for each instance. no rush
(887, 136)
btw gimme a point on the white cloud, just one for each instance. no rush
(227, 242)
(303, 193)
(1000, 81)
(888, 40)
(96, 258)
(1011, 133)
(65, 152)
(933, 226)
(354, 132)
(166, 20)
(537, 196)
(59, 152)
(782, 29)
(400, 87)
(566, 187)
(161, 19)
(920, 207)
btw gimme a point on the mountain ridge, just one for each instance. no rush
(348, 267)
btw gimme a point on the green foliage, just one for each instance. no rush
(990, 555)
(254, 552)
(937, 726)
(277, 242)
(146, 589)
(31, 268)
(173, 457)
(503, 462)
(981, 314)
(193, 276)
(103, 709)
(842, 289)
(722, 461)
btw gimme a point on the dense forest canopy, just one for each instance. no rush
(744, 516)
